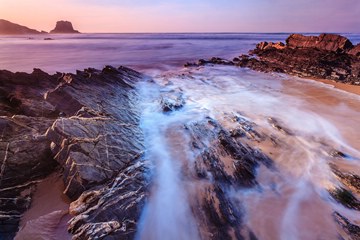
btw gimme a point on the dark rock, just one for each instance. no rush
(10, 28)
(324, 57)
(25, 155)
(64, 27)
(228, 163)
(95, 138)
(350, 180)
(346, 198)
(351, 229)
(111, 211)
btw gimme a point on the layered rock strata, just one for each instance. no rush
(86, 124)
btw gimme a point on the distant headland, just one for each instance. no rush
(9, 28)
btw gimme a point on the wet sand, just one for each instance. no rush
(48, 215)
(342, 86)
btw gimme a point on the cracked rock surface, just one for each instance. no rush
(86, 124)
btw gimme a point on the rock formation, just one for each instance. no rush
(327, 42)
(327, 56)
(51, 121)
(10, 28)
(64, 27)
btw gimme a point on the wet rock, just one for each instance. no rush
(213, 60)
(351, 229)
(86, 123)
(226, 162)
(111, 211)
(224, 219)
(346, 198)
(103, 137)
(275, 124)
(350, 180)
(172, 100)
(25, 154)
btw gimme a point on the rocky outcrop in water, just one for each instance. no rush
(64, 27)
(87, 124)
(10, 28)
(326, 42)
(326, 56)
(230, 163)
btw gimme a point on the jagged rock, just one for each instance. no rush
(327, 42)
(324, 57)
(172, 100)
(327, 56)
(63, 27)
(214, 146)
(113, 210)
(25, 155)
(100, 134)
(351, 229)
(93, 137)
(267, 45)
(10, 28)
(355, 50)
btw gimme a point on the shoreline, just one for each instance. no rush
(354, 89)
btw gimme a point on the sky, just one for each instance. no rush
(187, 15)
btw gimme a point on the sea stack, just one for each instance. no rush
(64, 27)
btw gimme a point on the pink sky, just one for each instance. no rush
(187, 16)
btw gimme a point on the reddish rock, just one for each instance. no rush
(267, 45)
(327, 56)
(355, 50)
(328, 42)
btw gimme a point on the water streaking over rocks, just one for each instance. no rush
(209, 151)
(263, 157)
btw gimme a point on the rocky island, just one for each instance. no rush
(64, 27)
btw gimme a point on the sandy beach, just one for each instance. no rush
(342, 86)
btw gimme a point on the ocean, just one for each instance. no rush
(68, 53)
